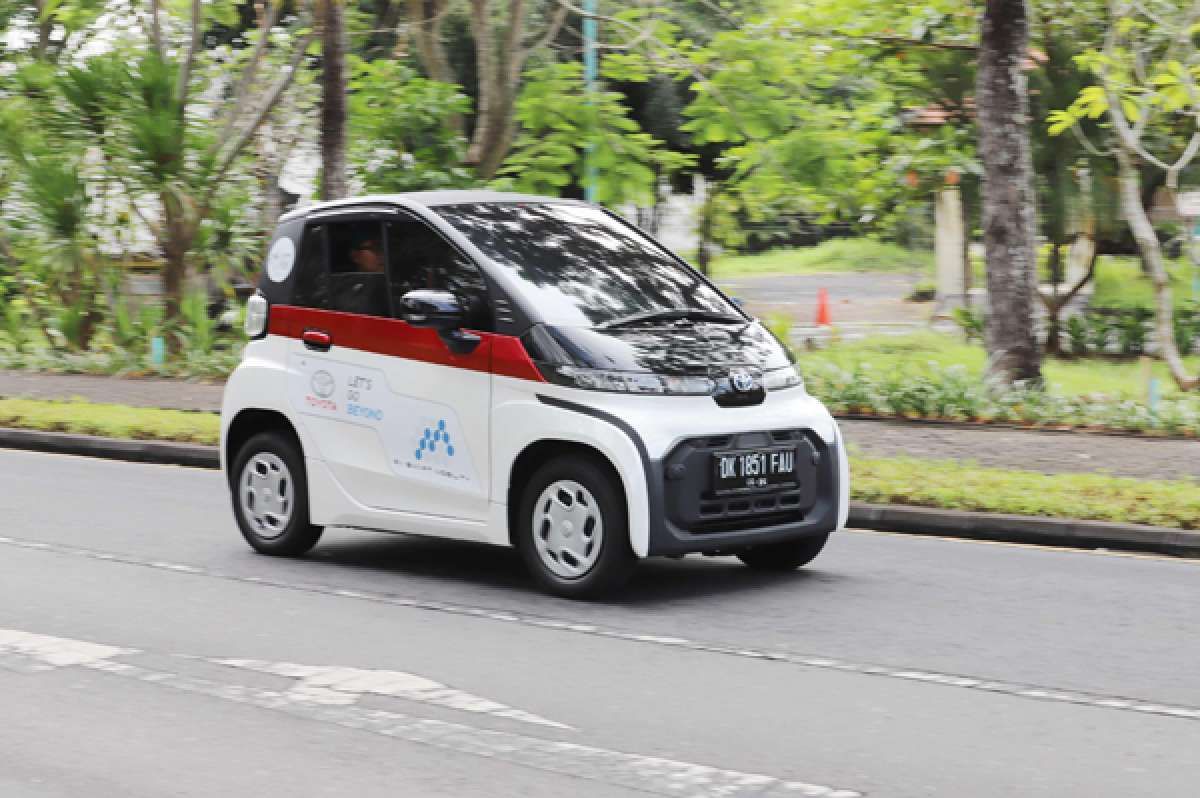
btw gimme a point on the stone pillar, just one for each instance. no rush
(949, 248)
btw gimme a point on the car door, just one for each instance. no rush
(401, 421)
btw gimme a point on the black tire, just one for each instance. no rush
(616, 560)
(786, 556)
(297, 535)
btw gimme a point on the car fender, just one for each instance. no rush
(521, 423)
(260, 382)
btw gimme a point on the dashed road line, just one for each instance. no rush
(998, 687)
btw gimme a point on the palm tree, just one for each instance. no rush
(333, 99)
(1009, 221)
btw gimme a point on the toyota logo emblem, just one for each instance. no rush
(743, 381)
(323, 384)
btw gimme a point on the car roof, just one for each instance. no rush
(428, 199)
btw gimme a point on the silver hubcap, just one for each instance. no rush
(267, 495)
(567, 529)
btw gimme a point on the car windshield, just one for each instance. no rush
(581, 267)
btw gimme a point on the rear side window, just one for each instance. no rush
(343, 268)
(312, 279)
(420, 258)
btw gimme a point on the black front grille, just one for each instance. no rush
(694, 507)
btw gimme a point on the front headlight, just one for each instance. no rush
(638, 382)
(779, 379)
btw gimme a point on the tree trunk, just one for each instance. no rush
(173, 279)
(1152, 259)
(267, 167)
(488, 69)
(45, 28)
(178, 235)
(333, 100)
(425, 19)
(1052, 305)
(704, 251)
(1085, 245)
(1008, 198)
(503, 130)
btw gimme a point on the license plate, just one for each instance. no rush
(754, 470)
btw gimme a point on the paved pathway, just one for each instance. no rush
(175, 394)
(1050, 452)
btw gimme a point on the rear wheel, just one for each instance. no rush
(786, 556)
(572, 528)
(270, 495)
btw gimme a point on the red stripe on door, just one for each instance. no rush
(503, 355)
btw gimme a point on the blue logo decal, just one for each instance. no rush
(432, 438)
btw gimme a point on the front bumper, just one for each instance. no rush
(672, 516)
(685, 516)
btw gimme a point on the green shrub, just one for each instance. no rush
(1187, 328)
(924, 291)
(1099, 329)
(1077, 334)
(780, 325)
(14, 326)
(970, 321)
(954, 394)
(1131, 331)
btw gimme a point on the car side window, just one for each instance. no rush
(357, 268)
(312, 279)
(420, 258)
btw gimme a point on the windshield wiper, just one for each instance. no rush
(673, 314)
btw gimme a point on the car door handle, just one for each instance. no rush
(317, 340)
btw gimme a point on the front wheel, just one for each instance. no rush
(270, 496)
(786, 556)
(573, 530)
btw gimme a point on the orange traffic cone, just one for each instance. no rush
(823, 307)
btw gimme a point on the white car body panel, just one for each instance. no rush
(415, 444)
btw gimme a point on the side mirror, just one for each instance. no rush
(438, 310)
(441, 311)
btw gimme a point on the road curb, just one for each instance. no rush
(1070, 533)
(193, 455)
(1065, 532)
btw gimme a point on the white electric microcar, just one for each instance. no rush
(525, 372)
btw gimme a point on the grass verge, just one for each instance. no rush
(925, 483)
(923, 352)
(835, 255)
(110, 421)
(1120, 283)
(955, 485)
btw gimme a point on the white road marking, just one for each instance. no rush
(44, 651)
(1015, 689)
(329, 684)
(649, 774)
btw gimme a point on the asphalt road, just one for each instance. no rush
(145, 651)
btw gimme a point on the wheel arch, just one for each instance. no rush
(249, 422)
(541, 451)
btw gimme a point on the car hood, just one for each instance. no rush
(673, 348)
